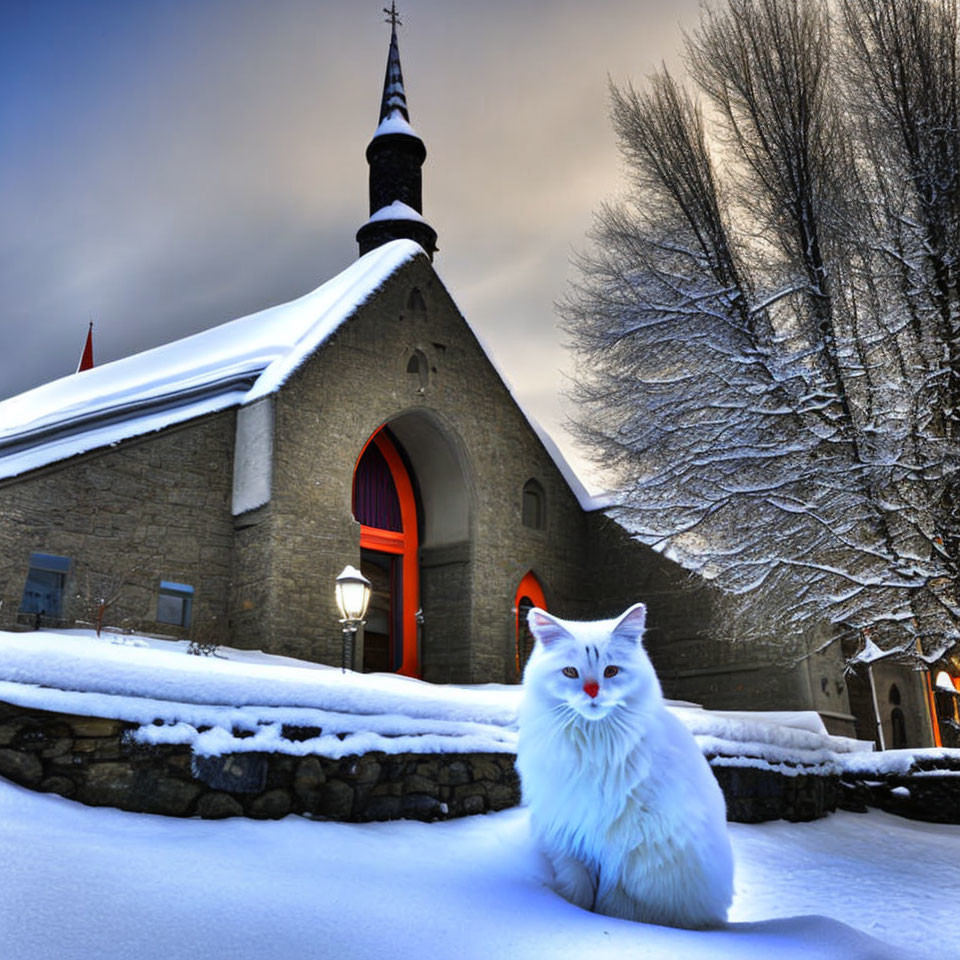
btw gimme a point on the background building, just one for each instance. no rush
(218, 484)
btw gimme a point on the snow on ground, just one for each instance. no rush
(892, 878)
(82, 883)
(143, 680)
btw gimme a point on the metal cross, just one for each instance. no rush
(392, 16)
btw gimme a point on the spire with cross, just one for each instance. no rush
(394, 96)
(392, 16)
(395, 154)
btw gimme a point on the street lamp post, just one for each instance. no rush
(353, 597)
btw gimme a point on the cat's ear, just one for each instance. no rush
(546, 630)
(631, 625)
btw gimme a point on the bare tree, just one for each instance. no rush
(904, 77)
(99, 590)
(762, 377)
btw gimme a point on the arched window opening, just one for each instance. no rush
(898, 726)
(533, 510)
(418, 367)
(385, 507)
(375, 500)
(529, 594)
(416, 304)
(895, 695)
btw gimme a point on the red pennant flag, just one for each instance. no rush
(86, 358)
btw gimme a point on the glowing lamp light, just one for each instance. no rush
(353, 594)
(945, 682)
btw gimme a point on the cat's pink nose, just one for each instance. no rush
(591, 688)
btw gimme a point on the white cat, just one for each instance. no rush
(621, 799)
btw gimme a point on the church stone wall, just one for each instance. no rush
(159, 507)
(150, 509)
(686, 638)
(680, 610)
(252, 610)
(324, 415)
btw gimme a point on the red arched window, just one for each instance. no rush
(529, 594)
(385, 507)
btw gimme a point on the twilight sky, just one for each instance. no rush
(168, 165)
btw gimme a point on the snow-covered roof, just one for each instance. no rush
(229, 365)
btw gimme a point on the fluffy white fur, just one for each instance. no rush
(621, 800)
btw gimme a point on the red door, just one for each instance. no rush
(529, 594)
(384, 505)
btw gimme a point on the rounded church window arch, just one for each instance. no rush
(418, 368)
(894, 695)
(533, 510)
(898, 727)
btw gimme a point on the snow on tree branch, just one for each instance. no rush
(770, 343)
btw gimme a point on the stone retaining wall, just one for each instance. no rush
(98, 762)
(755, 796)
(933, 798)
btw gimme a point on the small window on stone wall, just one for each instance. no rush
(416, 305)
(899, 727)
(895, 695)
(174, 603)
(533, 509)
(43, 590)
(417, 368)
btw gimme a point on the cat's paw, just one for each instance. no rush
(616, 902)
(574, 882)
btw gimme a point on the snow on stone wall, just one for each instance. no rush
(240, 701)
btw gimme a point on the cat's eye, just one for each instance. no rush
(611, 671)
(571, 672)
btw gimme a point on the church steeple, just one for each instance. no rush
(394, 96)
(395, 155)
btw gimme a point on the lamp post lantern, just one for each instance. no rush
(353, 596)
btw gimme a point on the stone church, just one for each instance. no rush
(217, 485)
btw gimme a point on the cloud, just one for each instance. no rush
(167, 167)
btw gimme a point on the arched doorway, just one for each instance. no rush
(385, 506)
(428, 469)
(529, 594)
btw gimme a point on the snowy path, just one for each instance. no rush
(97, 884)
